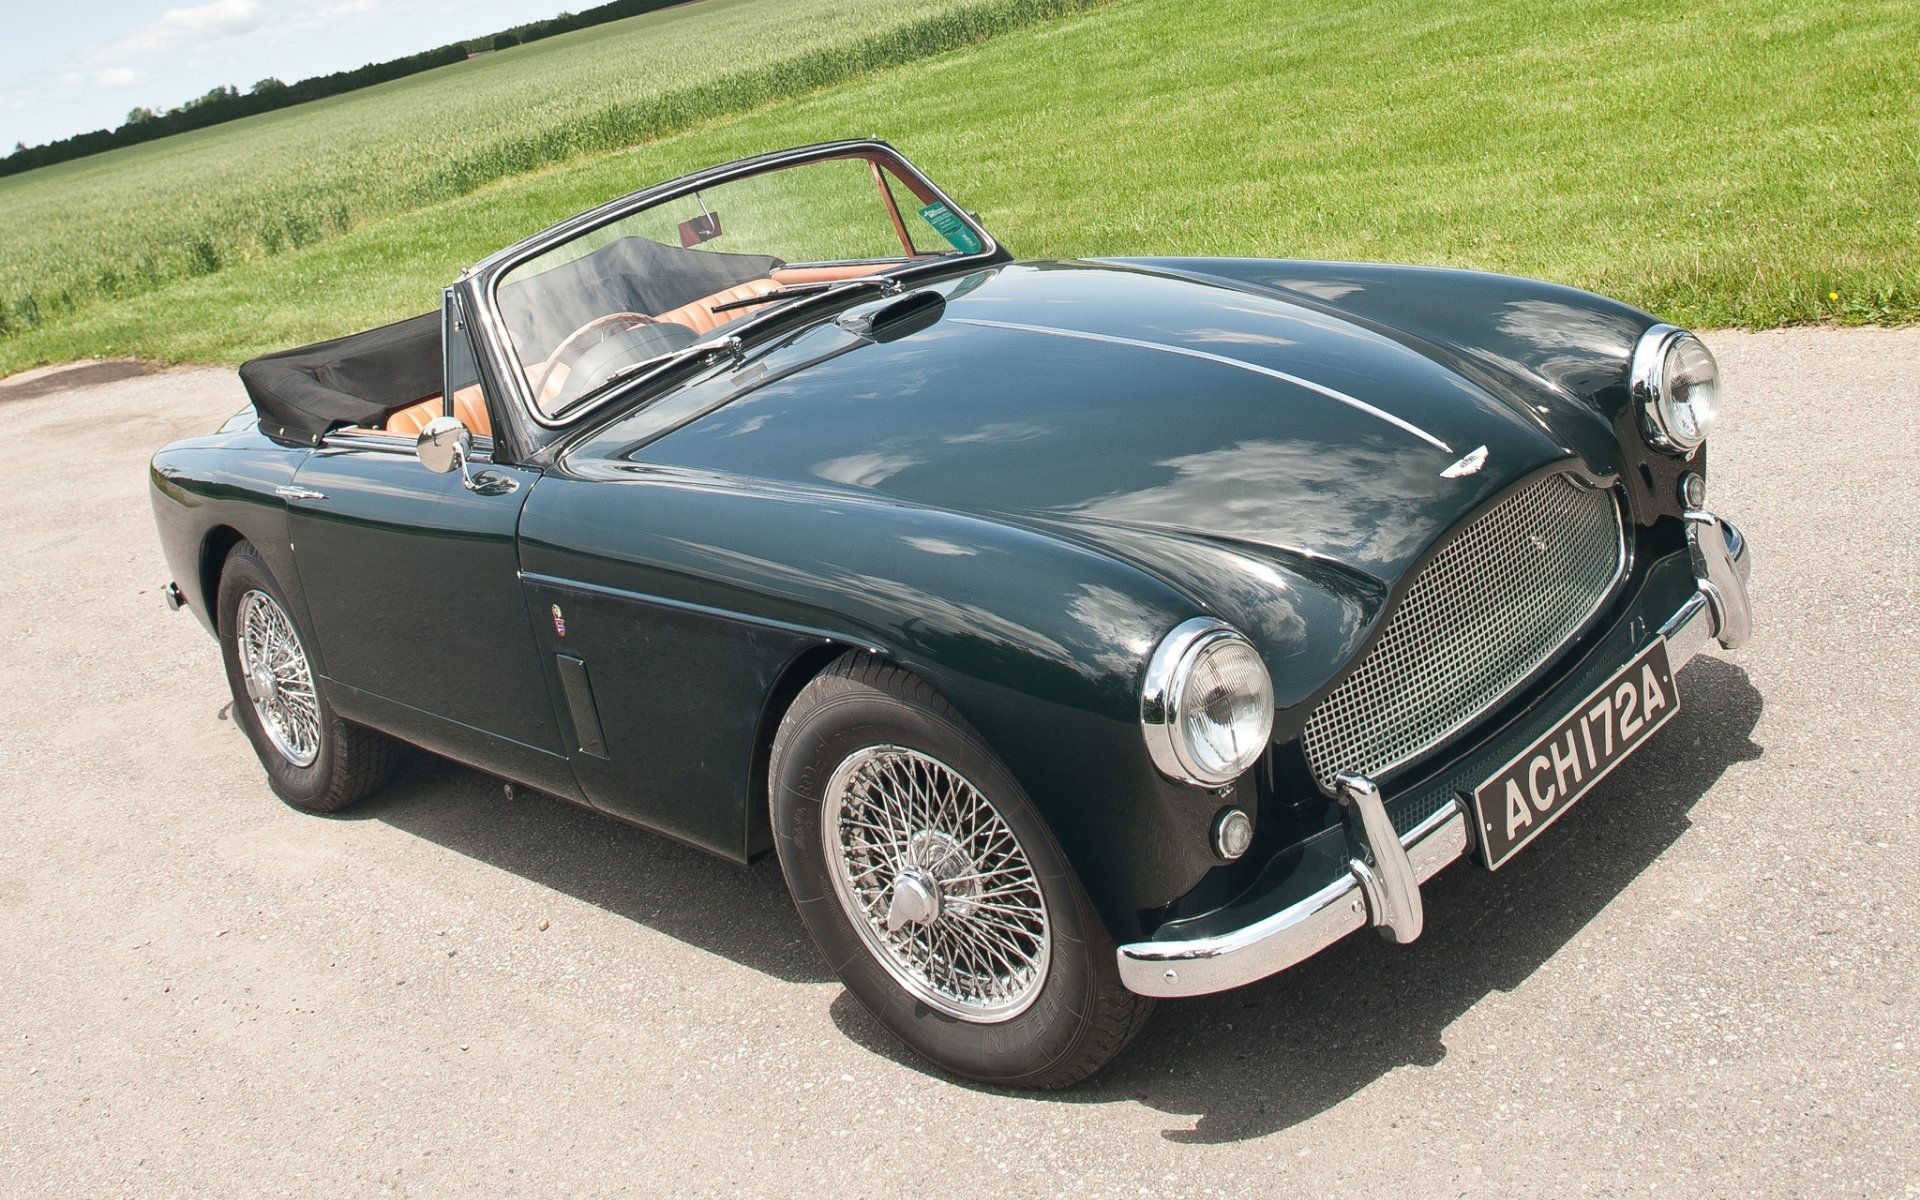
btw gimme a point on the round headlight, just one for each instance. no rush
(1206, 704)
(1677, 386)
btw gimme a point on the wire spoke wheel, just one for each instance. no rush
(936, 884)
(278, 680)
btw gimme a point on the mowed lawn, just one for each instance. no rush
(1725, 163)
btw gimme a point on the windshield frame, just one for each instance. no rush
(482, 282)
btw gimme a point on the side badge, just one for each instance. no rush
(559, 623)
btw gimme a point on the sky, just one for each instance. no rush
(73, 66)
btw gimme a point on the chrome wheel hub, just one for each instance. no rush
(278, 680)
(935, 883)
(916, 900)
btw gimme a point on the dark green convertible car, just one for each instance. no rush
(1077, 633)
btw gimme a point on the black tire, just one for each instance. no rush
(1073, 1014)
(314, 760)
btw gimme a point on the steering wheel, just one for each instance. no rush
(633, 344)
(579, 342)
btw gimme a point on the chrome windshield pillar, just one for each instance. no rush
(1384, 872)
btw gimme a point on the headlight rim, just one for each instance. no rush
(1163, 688)
(1649, 386)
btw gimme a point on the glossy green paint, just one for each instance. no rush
(1015, 498)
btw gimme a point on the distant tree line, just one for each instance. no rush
(229, 103)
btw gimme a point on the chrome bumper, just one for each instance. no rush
(1381, 886)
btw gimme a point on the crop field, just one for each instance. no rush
(1732, 162)
(123, 223)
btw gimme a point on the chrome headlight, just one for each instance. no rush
(1207, 704)
(1676, 384)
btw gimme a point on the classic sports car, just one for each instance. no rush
(1077, 633)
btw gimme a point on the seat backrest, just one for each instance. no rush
(699, 315)
(468, 404)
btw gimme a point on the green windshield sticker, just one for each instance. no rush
(951, 228)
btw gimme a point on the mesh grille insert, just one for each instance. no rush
(1485, 612)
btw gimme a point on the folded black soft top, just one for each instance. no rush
(300, 394)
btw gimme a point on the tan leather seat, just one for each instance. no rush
(468, 404)
(700, 317)
(828, 274)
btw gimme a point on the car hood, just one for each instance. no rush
(1103, 401)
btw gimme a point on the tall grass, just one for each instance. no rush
(124, 223)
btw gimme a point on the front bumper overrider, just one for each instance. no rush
(1384, 868)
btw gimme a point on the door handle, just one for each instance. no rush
(288, 491)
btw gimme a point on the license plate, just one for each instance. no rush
(1543, 781)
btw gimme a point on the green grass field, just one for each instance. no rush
(1752, 163)
(120, 224)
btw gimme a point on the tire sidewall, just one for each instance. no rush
(303, 787)
(844, 716)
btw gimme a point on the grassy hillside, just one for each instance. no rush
(123, 223)
(1750, 162)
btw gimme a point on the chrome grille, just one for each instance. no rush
(1483, 615)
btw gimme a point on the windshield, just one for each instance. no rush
(680, 271)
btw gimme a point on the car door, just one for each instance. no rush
(413, 585)
(412, 581)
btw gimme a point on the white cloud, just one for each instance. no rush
(118, 77)
(322, 18)
(218, 18)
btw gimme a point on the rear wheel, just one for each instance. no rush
(935, 889)
(313, 759)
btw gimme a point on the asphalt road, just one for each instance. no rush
(1701, 983)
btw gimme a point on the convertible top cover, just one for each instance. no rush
(302, 393)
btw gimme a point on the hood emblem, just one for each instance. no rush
(1475, 459)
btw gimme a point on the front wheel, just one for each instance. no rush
(931, 884)
(314, 760)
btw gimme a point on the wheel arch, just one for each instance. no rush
(803, 669)
(215, 547)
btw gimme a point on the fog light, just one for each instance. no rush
(1232, 833)
(1693, 490)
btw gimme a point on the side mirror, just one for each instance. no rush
(444, 445)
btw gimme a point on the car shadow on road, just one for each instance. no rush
(1265, 1057)
(1240, 1064)
(740, 913)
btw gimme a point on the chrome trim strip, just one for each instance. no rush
(1225, 361)
(1292, 935)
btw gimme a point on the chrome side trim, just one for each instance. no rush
(1292, 935)
(1242, 364)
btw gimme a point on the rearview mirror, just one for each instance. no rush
(444, 445)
